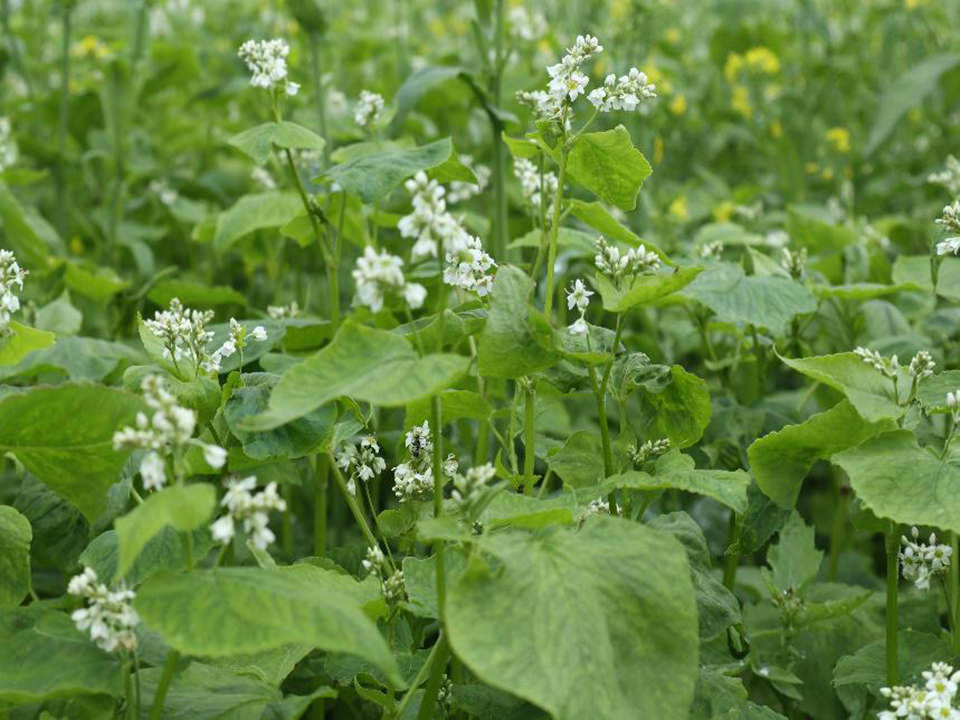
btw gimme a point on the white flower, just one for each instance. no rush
(11, 283)
(249, 508)
(369, 109)
(267, 62)
(379, 275)
(468, 266)
(624, 266)
(375, 561)
(153, 471)
(530, 184)
(949, 177)
(281, 312)
(109, 616)
(161, 188)
(579, 326)
(259, 333)
(949, 220)
(184, 335)
(262, 177)
(414, 479)
(888, 366)
(919, 562)
(470, 488)
(579, 296)
(623, 93)
(429, 224)
(215, 456)
(526, 26)
(922, 365)
(460, 190)
(222, 530)
(639, 454)
(950, 245)
(361, 463)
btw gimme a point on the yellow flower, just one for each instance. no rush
(839, 139)
(678, 106)
(723, 212)
(762, 59)
(678, 208)
(91, 46)
(827, 174)
(733, 66)
(741, 101)
(776, 129)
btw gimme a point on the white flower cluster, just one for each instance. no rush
(921, 561)
(953, 405)
(469, 266)
(267, 61)
(368, 109)
(166, 194)
(461, 191)
(469, 489)
(921, 365)
(262, 177)
(949, 177)
(238, 340)
(249, 508)
(567, 80)
(794, 262)
(8, 145)
(413, 480)
(379, 275)
(283, 312)
(600, 506)
(888, 366)
(710, 250)
(949, 220)
(391, 583)
(579, 297)
(11, 284)
(430, 221)
(623, 93)
(619, 266)
(650, 449)
(167, 431)
(525, 25)
(933, 701)
(529, 177)
(361, 463)
(109, 615)
(184, 335)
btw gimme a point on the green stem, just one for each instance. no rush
(322, 469)
(169, 667)
(529, 436)
(421, 674)
(893, 583)
(352, 504)
(500, 219)
(130, 712)
(436, 423)
(140, 33)
(731, 561)
(430, 693)
(62, 124)
(555, 228)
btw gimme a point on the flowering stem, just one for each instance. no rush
(430, 693)
(893, 581)
(436, 420)
(130, 712)
(156, 711)
(529, 437)
(598, 394)
(352, 503)
(555, 227)
(421, 674)
(321, 470)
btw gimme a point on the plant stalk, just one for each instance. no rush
(893, 582)
(169, 667)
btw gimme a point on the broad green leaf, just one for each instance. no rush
(644, 289)
(932, 391)
(579, 462)
(679, 410)
(64, 436)
(516, 339)
(26, 232)
(900, 481)
(781, 460)
(768, 301)
(59, 317)
(677, 471)
(608, 165)
(859, 291)
(165, 551)
(183, 507)
(255, 212)
(366, 364)
(21, 341)
(454, 404)
(916, 652)
(866, 388)
(568, 240)
(229, 611)
(905, 93)
(98, 283)
(419, 84)
(258, 142)
(373, 176)
(15, 537)
(794, 560)
(914, 270)
(194, 294)
(814, 228)
(595, 215)
(599, 622)
(45, 656)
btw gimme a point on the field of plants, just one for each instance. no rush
(451, 359)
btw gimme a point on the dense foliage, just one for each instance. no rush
(421, 359)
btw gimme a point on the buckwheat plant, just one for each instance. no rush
(931, 701)
(267, 62)
(392, 583)
(920, 561)
(185, 337)
(361, 462)
(11, 284)
(249, 509)
(536, 185)
(949, 177)
(949, 220)
(379, 276)
(579, 297)
(622, 267)
(649, 450)
(473, 490)
(109, 617)
(238, 340)
(413, 479)
(368, 110)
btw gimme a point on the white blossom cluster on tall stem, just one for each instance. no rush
(238, 340)
(368, 110)
(530, 184)
(267, 62)
(650, 449)
(920, 561)
(361, 462)
(392, 583)
(949, 177)
(413, 479)
(622, 267)
(931, 701)
(184, 335)
(11, 284)
(579, 297)
(164, 435)
(949, 220)
(109, 616)
(379, 276)
(471, 490)
(249, 509)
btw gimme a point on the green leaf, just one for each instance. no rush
(596, 623)
(781, 460)
(814, 228)
(419, 84)
(608, 165)
(680, 410)
(229, 611)
(255, 212)
(568, 240)
(64, 436)
(905, 93)
(794, 560)
(516, 340)
(45, 656)
(15, 537)
(644, 289)
(30, 237)
(22, 341)
(866, 388)
(595, 215)
(165, 551)
(258, 142)
(367, 364)
(194, 294)
(373, 176)
(916, 652)
(578, 462)
(768, 301)
(932, 391)
(900, 481)
(183, 507)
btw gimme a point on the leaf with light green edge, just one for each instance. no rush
(622, 595)
(520, 147)
(866, 388)
(932, 391)
(20, 341)
(26, 232)
(255, 212)
(607, 164)
(363, 363)
(676, 471)
(226, 611)
(794, 559)
(568, 240)
(595, 215)
(15, 537)
(258, 142)
(182, 507)
(64, 436)
(814, 228)
(516, 340)
(195, 294)
(916, 652)
(99, 284)
(45, 656)
(781, 460)
(679, 410)
(735, 297)
(905, 93)
(644, 289)
(375, 175)
(723, 697)
(898, 480)
(860, 291)
(270, 666)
